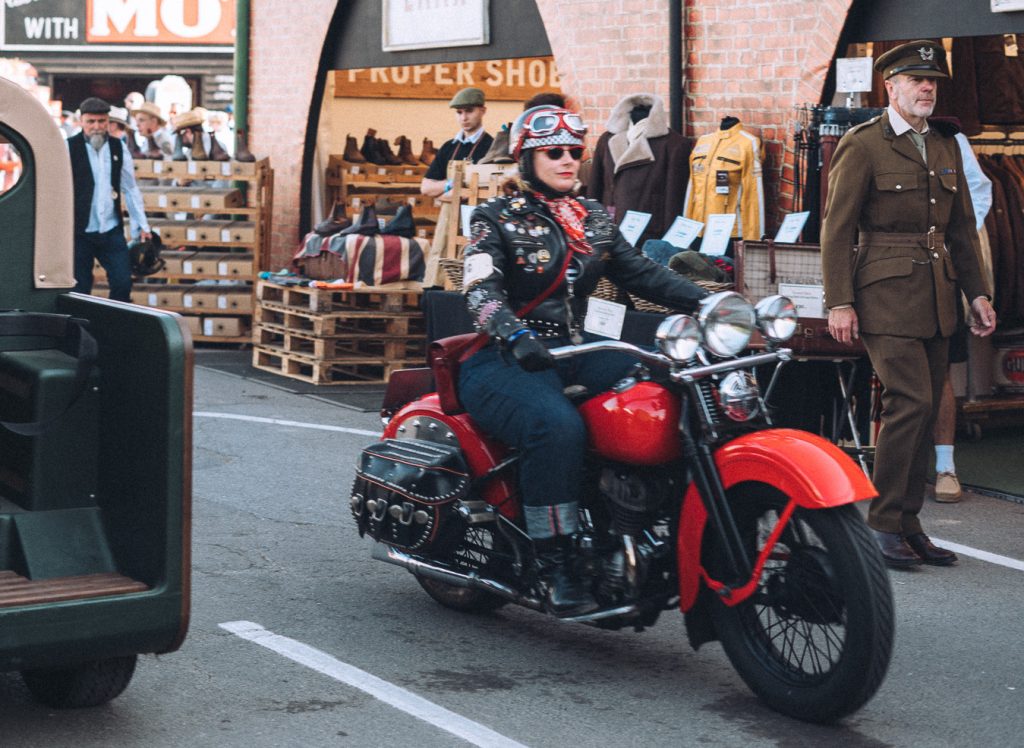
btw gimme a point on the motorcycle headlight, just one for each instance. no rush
(737, 395)
(727, 321)
(678, 337)
(776, 318)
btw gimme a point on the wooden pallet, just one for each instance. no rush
(351, 369)
(386, 347)
(18, 590)
(309, 299)
(338, 324)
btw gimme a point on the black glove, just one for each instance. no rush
(531, 354)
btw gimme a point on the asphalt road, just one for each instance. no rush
(274, 546)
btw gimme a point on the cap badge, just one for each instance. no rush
(927, 53)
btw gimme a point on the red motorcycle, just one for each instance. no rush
(692, 500)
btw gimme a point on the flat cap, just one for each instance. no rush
(923, 58)
(94, 105)
(467, 97)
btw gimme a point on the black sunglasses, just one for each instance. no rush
(557, 152)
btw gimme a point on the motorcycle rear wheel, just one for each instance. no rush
(471, 555)
(815, 639)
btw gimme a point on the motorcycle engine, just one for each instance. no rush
(633, 499)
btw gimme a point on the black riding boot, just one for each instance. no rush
(565, 594)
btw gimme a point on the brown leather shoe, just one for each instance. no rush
(897, 554)
(928, 552)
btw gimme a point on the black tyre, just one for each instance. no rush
(815, 639)
(476, 552)
(85, 685)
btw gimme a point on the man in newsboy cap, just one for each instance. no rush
(103, 178)
(897, 236)
(471, 143)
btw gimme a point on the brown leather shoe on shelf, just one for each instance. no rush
(928, 552)
(352, 154)
(428, 153)
(405, 154)
(897, 554)
(384, 149)
(947, 488)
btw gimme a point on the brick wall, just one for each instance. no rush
(754, 59)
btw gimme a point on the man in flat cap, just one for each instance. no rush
(471, 143)
(897, 236)
(103, 172)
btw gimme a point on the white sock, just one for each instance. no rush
(944, 459)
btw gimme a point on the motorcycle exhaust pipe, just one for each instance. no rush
(391, 555)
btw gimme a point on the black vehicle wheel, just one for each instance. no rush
(475, 552)
(815, 639)
(85, 685)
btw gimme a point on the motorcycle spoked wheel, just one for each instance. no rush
(473, 553)
(815, 639)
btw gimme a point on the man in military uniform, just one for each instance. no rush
(898, 234)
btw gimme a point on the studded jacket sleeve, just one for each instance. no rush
(486, 263)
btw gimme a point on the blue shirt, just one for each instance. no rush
(101, 213)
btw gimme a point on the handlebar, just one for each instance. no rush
(658, 359)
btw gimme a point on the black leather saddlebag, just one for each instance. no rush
(405, 490)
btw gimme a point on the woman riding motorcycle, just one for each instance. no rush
(534, 257)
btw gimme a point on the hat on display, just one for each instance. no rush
(119, 115)
(191, 118)
(467, 97)
(152, 110)
(94, 105)
(923, 58)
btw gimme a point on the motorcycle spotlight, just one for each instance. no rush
(727, 321)
(738, 396)
(776, 318)
(678, 337)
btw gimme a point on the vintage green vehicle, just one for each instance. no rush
(95, 446)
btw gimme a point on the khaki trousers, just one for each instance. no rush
(912, 372)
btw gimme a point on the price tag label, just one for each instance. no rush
(808, 297)
(196, 201)
(161, 201)
(682, 232)
(853, 74)
(605, 318)
(153, 301)
(225, 169)
(354, 170)
(209, 327)
(187, 301)
(186, 268)
(225, 235)
(158, 167)
(717, 233)
(381, 171)
(193, 167)
(633, 225)
(222, 268)
(222, 301)
(791, 227)
(190, 235)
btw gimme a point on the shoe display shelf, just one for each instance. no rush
(356, 185)
(337, 337)
(230, 250)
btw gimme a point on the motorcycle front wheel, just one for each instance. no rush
(815, 639)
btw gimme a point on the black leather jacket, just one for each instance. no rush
(517, 250)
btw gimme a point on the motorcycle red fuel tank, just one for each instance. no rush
(424, 419)
(639, 426)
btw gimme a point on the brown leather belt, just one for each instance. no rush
(927, 240)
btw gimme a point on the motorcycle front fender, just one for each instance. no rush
(810, 470)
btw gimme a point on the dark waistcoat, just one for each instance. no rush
(81, 175)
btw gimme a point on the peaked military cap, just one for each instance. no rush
(923, 58)
(467, 97)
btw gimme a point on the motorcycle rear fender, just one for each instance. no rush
(482, 453)
(810, 470)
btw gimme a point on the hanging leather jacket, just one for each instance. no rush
(517, 251)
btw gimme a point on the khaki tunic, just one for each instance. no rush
(879, 184)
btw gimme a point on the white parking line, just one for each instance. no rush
(992, 558)
(406, 701)
(280, 422)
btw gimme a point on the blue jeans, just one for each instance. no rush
(530, 412)
(111, 249)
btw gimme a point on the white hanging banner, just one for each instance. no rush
(429, 25)
(1007, 6)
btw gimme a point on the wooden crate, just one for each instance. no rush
(350, 369)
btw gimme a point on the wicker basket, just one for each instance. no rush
(453, 272)
(642, 305)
